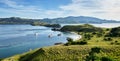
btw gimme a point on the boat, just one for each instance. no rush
(36, 34)
(50, 35)
(59, 35)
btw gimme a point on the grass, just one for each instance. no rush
(66, 53)
(95, 39)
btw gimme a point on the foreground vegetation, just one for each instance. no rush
(96, 44)
(70, 53)
(93, 35)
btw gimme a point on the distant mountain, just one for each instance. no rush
(16, 20)
(79, 19)
(67, 20)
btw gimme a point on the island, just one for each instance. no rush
(96, 44)
(45, 24)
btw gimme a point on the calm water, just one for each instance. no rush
(16, 39)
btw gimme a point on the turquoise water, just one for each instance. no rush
(16, 39)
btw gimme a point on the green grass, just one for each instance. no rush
(66, 53)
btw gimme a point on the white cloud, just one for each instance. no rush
(19, 7)
(11, 3)
(108, 9)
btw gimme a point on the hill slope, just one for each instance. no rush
(70, 19)
(16, 20)
(79, 19)
(67, 53)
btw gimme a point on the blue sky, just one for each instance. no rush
(105, 9)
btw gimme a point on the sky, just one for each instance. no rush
(104, 9)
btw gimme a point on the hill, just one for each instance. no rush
(16, 20)
(69, 53)
(68, 20)
(81, 28)
(79, 19)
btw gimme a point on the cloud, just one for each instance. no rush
(16, 9)
(11, 3)
(108, 9)
(19, 8)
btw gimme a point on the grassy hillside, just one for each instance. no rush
(81, 28)
(67, 53)
(96, 44)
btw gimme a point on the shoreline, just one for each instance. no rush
(77, 38)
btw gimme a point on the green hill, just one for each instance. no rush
(81, 28)
(67, 20)
(68, 53)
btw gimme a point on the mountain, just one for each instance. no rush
(16, 20)
(79, 19)
(67, 20)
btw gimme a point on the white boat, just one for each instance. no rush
(50, 35)
(36, 34)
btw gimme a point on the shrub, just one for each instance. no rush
(92, 54)
(99, 34)
(112, 43)
(67, 44)
(94, 33)
(116, 41)
(96, 50)
(87, 36)
(83, 42)
(76, 43)
(114, 32)
(106, 59)
(107, 29)
(108, 39)
(69, 39)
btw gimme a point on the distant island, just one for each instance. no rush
(96, 44)
(65, 20)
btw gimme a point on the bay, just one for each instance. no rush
(17, 39)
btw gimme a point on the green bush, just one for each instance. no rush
(92, 54)
(108, 39)
(87, 36)
(83, 42)
(96, 50)
(69, 39)
(99, 34)
(114, 32)
(106, 59)
(70, 42)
